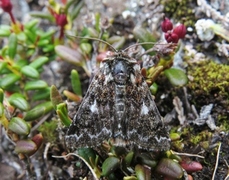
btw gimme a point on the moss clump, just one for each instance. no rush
(179, 10)
(48, 130)
(210, 84)
(209, 78)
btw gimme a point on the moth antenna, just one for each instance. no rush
(137, 44)
(94, 39)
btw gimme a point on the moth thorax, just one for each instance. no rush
(120, 72)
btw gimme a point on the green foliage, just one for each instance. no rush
(177, 77)
(28, 47)
(119, 162)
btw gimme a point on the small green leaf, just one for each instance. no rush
(128, 158)
(18, 101)
(43, 42)
(39, 111)
(88, 154)
(140, 172)
(64, 119)
(174, 136)
(27, 147)
(35, 85)
(47, 35)
(3, 66)
(76, 84)
(130, 178)
(1, 111)
(86, 47)
(177, 77)
(39, 62)
(3, 120)
(9, 80)
(74, 13)
(153, 88)
(21, 36)
(42, 15)
(42, 94)
(32, 23)
(30, 35)
(63, 108)
(12, 45)
(48, 48)
(20, 63)
(62, 112)
(145, 159)
(19, 126)
(5, 31)
(110, 165)
(1, 95)
(30, 72)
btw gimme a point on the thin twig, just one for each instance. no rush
(187, 154)
(88, 165)
(217, 161)
(46, 150)
(42, 120)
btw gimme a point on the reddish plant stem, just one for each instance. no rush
(12, 17)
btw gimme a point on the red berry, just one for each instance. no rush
(166, 25)
(180, 31)
(6, 5)
(171, 37)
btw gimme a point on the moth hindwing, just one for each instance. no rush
(118, 106)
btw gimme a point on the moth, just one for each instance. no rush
(119, 107)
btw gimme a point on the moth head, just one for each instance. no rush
(120, 71)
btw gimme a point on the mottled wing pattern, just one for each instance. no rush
(148, 132)
(118, 106)
(92, 122)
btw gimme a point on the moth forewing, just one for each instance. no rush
(118, 106)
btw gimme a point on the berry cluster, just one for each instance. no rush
(172, 35)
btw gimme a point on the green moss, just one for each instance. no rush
(224, 122)
(210, 84)
(48, 130)
(209, 77)
(180, 9)
(200, 137)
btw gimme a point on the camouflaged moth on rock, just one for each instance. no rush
(118, 106)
